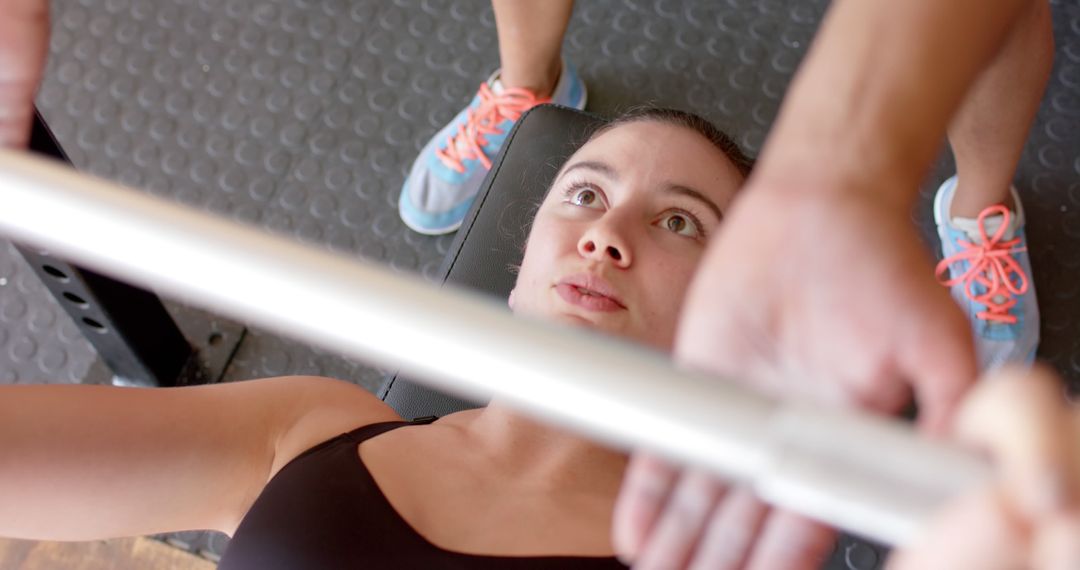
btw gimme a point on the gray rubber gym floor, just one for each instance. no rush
(303, 116)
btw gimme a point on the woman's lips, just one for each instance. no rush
(588, 292)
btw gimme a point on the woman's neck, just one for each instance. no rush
(541, 455)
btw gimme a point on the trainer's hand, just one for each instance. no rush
(667, 519)
(1029, 517)
(827, 295)
(24, 36)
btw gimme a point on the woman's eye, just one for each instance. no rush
(585, 197)
(680, 224)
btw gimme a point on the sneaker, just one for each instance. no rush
(989, 274)
(447, 175)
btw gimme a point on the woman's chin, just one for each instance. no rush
(598, 323)
(664, 345)
(575, 320)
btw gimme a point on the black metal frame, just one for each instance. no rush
(129, 327)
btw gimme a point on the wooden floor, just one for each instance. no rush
(121, 554)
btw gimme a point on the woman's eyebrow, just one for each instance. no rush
(611, 173)
(677, 189)
(601, 167)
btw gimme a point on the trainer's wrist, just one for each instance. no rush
(818, 145)
(803, 171)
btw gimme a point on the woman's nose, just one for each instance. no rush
(602, 244)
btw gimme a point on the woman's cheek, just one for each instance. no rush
(678, 269)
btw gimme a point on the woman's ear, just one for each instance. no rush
(510, 300)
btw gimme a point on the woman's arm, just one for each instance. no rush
(90, 462)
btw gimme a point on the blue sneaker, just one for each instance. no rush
(447, 175)
(990, 277)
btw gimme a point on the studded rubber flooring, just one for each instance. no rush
(303, 116)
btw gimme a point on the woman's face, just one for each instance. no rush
(618, 237)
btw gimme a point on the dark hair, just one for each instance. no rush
(702, 126)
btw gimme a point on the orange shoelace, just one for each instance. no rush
(993, 267)
(483, 120)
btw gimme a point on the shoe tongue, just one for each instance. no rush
(970, 226)
(992, 224)
(497, 88)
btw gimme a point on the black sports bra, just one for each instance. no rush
(325, 510)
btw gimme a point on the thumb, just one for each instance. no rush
(1021, 416)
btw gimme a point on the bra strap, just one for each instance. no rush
(371, 430)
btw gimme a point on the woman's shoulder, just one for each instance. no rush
(325, 408)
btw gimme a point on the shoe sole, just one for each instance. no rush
(430, 231)
(942, 224)
(425, 230)
(580, 105)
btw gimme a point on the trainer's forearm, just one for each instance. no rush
(874, 96)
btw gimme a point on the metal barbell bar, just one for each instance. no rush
(866, 474)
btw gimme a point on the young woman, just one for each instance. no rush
(612, 248)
